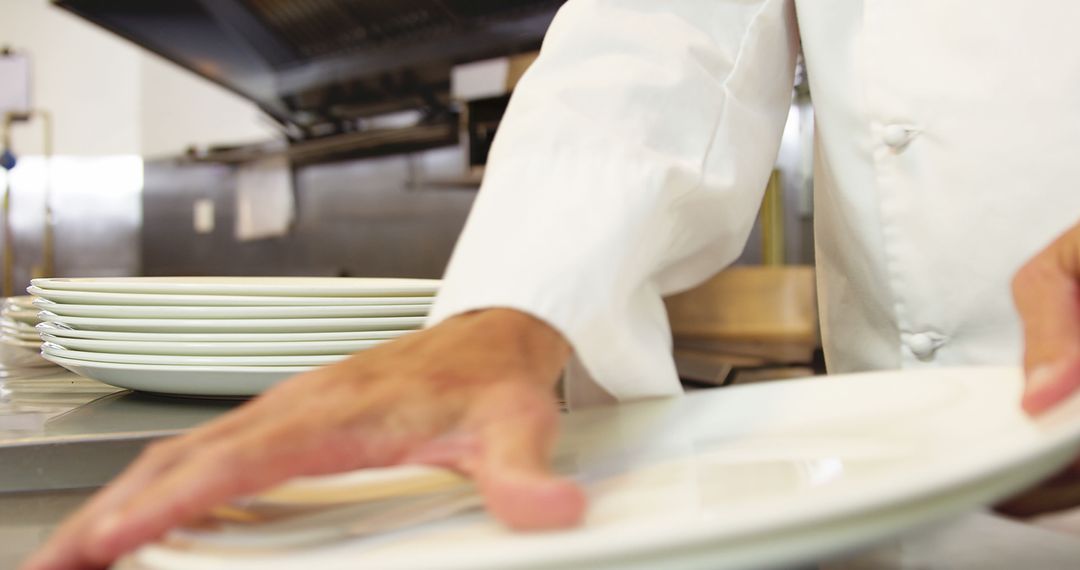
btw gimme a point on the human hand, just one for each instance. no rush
(473, 394)
(1047, 294)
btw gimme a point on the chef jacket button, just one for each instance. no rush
(896, 136)
(921, 345)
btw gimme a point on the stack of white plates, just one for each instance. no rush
(219, 336)
(20, 345)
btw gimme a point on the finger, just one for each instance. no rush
(63, 551)
(1047, 295)
(516, 427)
(240, 466)
(64, 548)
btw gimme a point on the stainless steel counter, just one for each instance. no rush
(62, 436)
(60, 431)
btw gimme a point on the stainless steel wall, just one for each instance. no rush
(374, 217)
(96, 214)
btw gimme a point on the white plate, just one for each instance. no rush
(100, 298)
(173, 312)
(18, 335)
(16, 326)
(49, 350)
(32, 344)
(235, 325)
(28, 317)
(763, 475)
(21, 354)
(282, 348)
(215, 337)
(200, 381)
(277, 286)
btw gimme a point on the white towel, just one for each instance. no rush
(265, 205)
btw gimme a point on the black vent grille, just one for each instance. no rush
(326, 28)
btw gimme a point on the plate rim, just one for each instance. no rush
(60, 360)
(49, 349)
(227, 312)
(150, 344)
(220, 337)
(209, 325)
(141, 299)
(247, 285)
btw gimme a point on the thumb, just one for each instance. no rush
(516, 425)
(1047, 295)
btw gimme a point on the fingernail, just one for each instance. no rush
(1035, 387)
(1046, 386)
(1041, 377)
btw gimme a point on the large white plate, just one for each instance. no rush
(285, 312)
(280, 348)
(749, 477)
(235, 325)
(48, 350)
(277, 286)
(219, 337)
(100, 298)
(201, 381)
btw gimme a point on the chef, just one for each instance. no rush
(629, 166)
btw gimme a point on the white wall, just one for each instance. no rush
(110, 97)
(179, 108)
(85, 77)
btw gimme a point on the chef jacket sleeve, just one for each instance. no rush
(630, 165)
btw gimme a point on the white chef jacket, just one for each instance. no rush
(634, 153)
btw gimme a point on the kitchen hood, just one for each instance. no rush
(323, 67)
